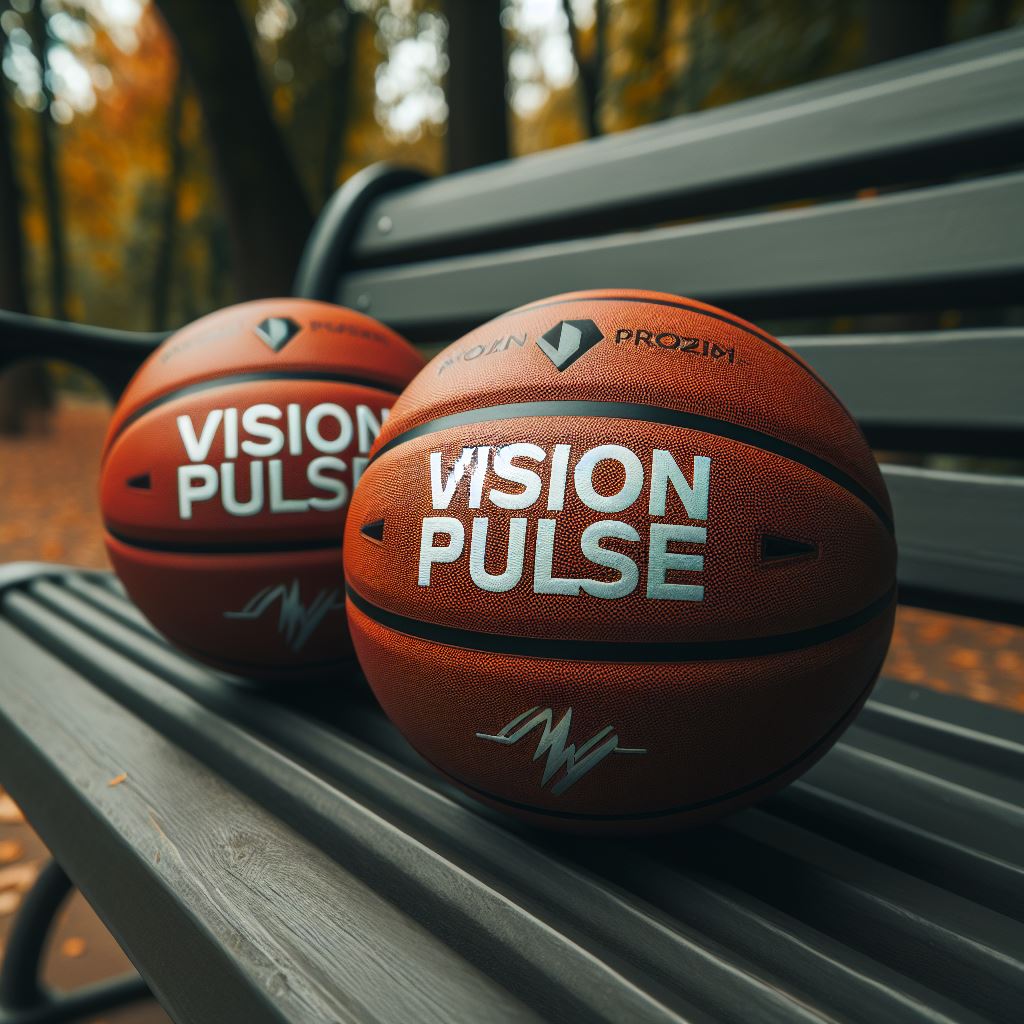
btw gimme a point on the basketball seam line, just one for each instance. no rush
(242, 378)
(606, 651)
(681, 808)
(648, 414)
(267, 547)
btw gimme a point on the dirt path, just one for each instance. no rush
(49, 508)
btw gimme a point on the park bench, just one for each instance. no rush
(287, 857)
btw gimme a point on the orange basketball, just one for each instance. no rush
(227, 472)
(620, 561)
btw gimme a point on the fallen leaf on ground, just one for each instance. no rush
(118, 779)
(10, 851)
(18, 877)
(10, 812)
(73, 946)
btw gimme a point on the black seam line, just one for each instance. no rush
(649, 414)
(193, 548)
(681, 808)
(723, 317)
(245, 378)
(614, 651)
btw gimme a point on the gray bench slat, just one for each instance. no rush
(582, 904)
(960, 535)
(925, 389)
(547, 968)
(924, 931)
(938, 859)
(971, 732)
(911, 121)
(704, 894)
(945, 245)
(258, 923)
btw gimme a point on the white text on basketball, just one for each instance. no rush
(263, 433)
(662, 487)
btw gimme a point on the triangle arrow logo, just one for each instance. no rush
(774, 548)
(374, 530)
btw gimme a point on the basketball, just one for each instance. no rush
(620, 562)
(227, 471)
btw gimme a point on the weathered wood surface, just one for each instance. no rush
(887, 879)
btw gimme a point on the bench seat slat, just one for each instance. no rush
(695, 927)
(482, 926)
(865, 128)
(948, 245)
(231, 915)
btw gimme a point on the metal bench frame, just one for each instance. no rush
(285, 856)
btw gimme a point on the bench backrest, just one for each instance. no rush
(890, 190)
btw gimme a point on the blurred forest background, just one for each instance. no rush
(161, 158)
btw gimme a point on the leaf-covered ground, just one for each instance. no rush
(81, 950)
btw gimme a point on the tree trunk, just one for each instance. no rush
(12, 243)
(268, 214)
(339, 103)
(589, 72)
(692, 85)
(26, 392)
(40, 33)
(477, 109)
(897, 29)
(164, 266)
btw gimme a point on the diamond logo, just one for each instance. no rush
(276, 331)
(564, 343)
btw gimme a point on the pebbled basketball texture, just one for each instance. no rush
(233, 549)
(684, 584)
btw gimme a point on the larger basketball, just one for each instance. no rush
(227, 472)
(620, 561)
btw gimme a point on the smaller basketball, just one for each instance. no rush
(227, 472)
(620, 561)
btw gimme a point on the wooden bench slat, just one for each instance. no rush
(576, 904)
(684, 922)
(913, 118)
(506, 944)
(258, 923)
(931, 390)
(943, 246)
(960, 538)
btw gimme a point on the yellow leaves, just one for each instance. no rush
(106, 262)
(963, 657)
(284, 102)
(190, 202)
(15, 881)
(970, 657)
(10, 851)
(34, 225)
(118, 779)
(10, 812)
